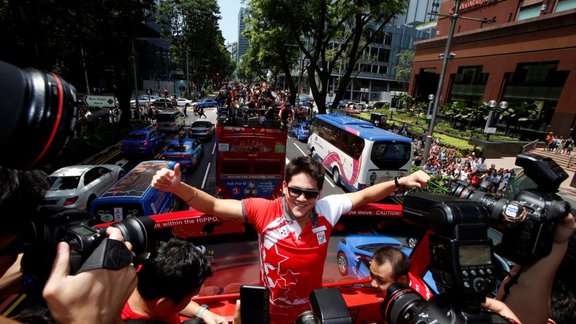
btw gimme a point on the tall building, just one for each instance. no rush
(242, 41)
(525, 56)
(374, 80)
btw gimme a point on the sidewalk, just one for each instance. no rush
(565, 190)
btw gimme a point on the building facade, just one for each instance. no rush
(243, 43)
(517, 51)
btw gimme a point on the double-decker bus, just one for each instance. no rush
(357, 153)
(251, 158)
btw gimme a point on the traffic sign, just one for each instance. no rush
(100, 101)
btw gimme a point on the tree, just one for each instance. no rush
(405, 63)
(63, 37)
(191, 26)
(330, 34)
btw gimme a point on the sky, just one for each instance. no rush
(229, 22)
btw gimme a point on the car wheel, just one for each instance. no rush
(342, 263)
(336, 176)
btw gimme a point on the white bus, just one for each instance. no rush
(357, 153)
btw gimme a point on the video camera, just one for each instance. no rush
(461, 254)
(39, 116)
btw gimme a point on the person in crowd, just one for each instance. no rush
(294, 229)
(167, 283)
(87, 297)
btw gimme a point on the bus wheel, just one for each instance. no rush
(336, 176)
(342, 263)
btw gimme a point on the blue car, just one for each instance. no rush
(205, 103)
(301, 131)
(185, 151)
(355, 251)
(143, 141)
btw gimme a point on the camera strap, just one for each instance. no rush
(513, 280)
(110, 254)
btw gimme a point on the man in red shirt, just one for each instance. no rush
(294, 230)
(166, 284)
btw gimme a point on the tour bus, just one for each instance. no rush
(251, 158)
(170, 120)
(356, 153)
(132, 196)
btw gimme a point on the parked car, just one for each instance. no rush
(164, 103)
(183, 102)
(143, 141)
(185, 151)
(143, 100)
(201, 129)
(76, 186)
(351, 110)
(205, 103)
(301, 131)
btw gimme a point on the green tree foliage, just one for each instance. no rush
(191, 26)
(330, 34)
(404, 68)
(72, 38)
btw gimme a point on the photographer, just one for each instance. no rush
(41, 112)
(86, 297)
(530, 296)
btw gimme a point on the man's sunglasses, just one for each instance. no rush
(296, 192)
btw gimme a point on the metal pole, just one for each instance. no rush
(137, 108)
(445, 59)
(85, 71)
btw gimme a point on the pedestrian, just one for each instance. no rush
(294, 229)
(201, 112)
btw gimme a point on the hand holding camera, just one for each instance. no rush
(68, 303)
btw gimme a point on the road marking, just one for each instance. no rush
(326, 177)
(205, 176)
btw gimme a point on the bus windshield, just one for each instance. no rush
(357, 153)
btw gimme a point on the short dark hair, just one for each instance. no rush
(177, 270)
(399, 261)
(308, 165)
(21, 193)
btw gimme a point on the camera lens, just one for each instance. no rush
(401, 304)
(306, 318)
(39, 114)
(138, 231)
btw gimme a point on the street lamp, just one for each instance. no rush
(493, 116)
(444, 58)
(393, 102)
(430, 106)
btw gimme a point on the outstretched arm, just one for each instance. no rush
(381, 190)
(169, 181)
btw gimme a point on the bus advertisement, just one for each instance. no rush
(356, 153)
(250, 161)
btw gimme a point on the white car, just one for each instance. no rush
(182, 102)
(77, 185)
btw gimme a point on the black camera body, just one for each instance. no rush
(461, 254)
(528, 220)
(89, 247)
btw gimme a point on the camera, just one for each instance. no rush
(40, 111)
(529, 219)
(55, 224)
(462, 261)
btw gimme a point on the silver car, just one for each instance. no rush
(77, 185)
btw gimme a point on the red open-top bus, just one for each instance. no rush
(251, 158)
